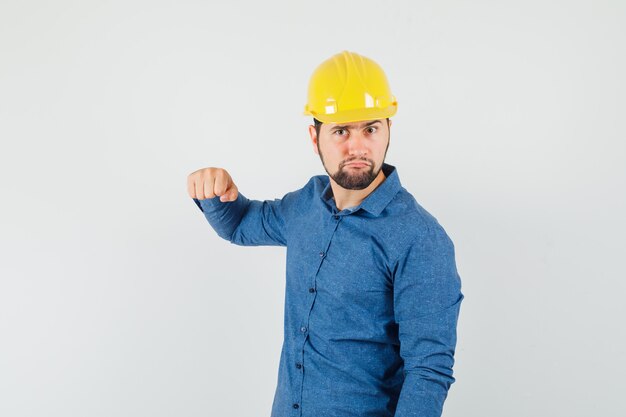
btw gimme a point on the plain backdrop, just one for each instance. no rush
(118, 299)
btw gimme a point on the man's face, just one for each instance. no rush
(352, 153)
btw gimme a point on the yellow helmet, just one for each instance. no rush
(349, 87)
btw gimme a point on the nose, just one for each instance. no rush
(357, 144)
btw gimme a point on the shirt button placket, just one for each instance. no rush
(303, 329)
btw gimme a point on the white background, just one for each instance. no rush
(118, 299)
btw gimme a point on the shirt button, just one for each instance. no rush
(303, 329)
(311, 289)
(321, 254)
(298, 365)
(296, 405)
(336, 217)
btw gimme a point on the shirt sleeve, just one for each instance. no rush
(427, 299)
(246, 222)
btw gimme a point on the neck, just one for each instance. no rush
(345, 198)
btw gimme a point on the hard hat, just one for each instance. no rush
(349, 87)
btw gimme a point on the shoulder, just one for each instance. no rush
(420, 228)
(304, 195)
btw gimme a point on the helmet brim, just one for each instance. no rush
(357, 115)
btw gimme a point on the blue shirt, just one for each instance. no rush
(372, 298)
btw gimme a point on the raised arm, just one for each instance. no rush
(234, 217)
(427, 299)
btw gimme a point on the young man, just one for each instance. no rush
(372, 291)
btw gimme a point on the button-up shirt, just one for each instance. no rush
(372, 298)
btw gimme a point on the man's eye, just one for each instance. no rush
(371, 129)
(340, 131)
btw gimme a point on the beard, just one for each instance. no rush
(355, 179)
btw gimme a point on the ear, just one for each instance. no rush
(313, 135)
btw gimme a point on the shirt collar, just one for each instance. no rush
(378, 199)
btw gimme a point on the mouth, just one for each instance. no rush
(357, 164)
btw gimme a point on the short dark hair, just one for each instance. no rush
(318, 125)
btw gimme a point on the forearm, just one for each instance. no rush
(428, 367)
(421, 396)
(246, 222)
(224, 217)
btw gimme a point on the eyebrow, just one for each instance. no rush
(361, 126)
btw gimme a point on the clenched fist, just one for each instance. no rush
(211, 182)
